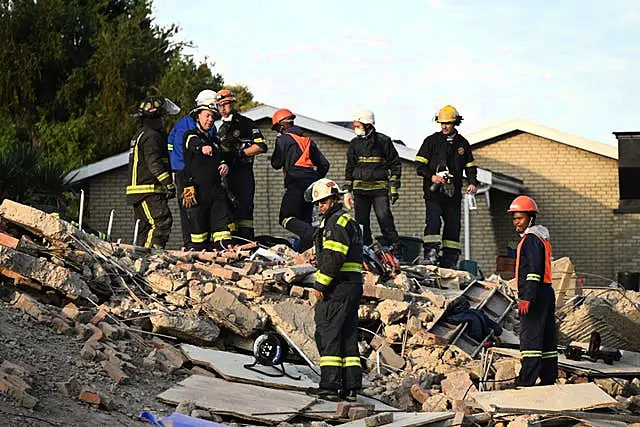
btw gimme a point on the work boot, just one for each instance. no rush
(449, 258)
(323, 393)
(349, 396)
(430, 255)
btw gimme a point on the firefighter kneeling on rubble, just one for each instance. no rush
(338, 289)
(203, 195)
(537, 306)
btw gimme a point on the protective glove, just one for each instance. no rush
(393, 195)
(523, 306)
(189, 197)
(348, 186)
(348, 201)
(171, 191)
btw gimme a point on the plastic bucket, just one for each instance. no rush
(410, 247)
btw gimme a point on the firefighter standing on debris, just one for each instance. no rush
(537, 306)
(373, 175)
(303, 164)
(203, 196)
(176, 137)
(241, 140)
(338, 289)
(150, 181)
(441, 160)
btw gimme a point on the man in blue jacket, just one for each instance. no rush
(176, 155)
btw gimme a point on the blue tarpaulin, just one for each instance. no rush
(179, 420)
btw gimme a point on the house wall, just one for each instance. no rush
(576, 191)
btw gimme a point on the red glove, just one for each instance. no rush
(523, 306)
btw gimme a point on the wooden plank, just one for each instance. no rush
(329, 409)
(240, 400)
(559, 397)
(627, 366)
(408, 419)
(231, 367)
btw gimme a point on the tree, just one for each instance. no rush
(244, 97)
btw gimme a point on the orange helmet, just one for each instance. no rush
(523, 204)
(280, 115)
(225, 96)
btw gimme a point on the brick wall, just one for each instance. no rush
(626, 241)
(576, 191)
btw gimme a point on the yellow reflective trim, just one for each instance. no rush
(468, 165)
(134, 169)
(351, 267)
(351, 361)
(286, 221)
(147, 213)
(199, 238)
(232, 226)
(55, 215)
(432, 238)
(332, 245)
(186, 144)
(531, 353)
(331, 358)
(170, 147)
(323, 279)
(344, 220)
(549, 354)
(258, 140)
(422, 159)
(144, 189)
(372, 159)
(533, 277)
(369, 185)
(221, 235)
(452, 244)
(338, 364)
(163, 176)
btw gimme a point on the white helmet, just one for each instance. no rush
(321, 189)
(206, 97)
(363, 116)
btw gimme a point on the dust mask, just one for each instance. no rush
(359, 131)
(228, 118)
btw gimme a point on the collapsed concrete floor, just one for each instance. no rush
(91, 331)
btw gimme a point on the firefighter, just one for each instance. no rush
(176, 137)
(373, 175)
(303, 164)
(537, 306)
(441, 160)
(203, 196)
(150, 182)
(338, 289)
(241, 140)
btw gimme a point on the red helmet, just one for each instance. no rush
(523, 204)
(225, 96)
(280, 115)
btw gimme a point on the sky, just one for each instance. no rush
(573, 65)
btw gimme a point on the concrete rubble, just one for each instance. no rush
(110, 295)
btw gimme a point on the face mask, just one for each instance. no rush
(359, 131)
(228, 118)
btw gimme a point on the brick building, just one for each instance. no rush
(575, 181)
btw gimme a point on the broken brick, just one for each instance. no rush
(109, 331)
(91, 397)
(68, 388)
(297, 291)
(114, 371)
(378, 419)
(419, 393)
(358, 413)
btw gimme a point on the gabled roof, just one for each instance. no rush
(505, 183)
(486, 134)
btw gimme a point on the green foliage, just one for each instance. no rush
(72, 73)
(244, 97)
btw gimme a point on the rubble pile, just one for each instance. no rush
(129, 307)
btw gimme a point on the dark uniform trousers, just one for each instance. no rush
(336, 336)
(441, 208)
(296, 216)
(155, 220)
(184, 214)
(538, 340)
(209, 221)
(379, 200)
(242, 185)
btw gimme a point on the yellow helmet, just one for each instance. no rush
(448, 114)
(322, 189)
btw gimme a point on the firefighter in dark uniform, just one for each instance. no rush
(150, 181)
(441, 160)
(338, 289)
(240, 140)
(303, 164)
(537, 306)
(373, 174)
(204, 197)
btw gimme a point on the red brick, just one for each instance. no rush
(114, 371)
(100, 315)
(91, 397)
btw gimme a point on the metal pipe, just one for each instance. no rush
(467, 230)
(113, 211)
(81, 209)
(135, 232)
